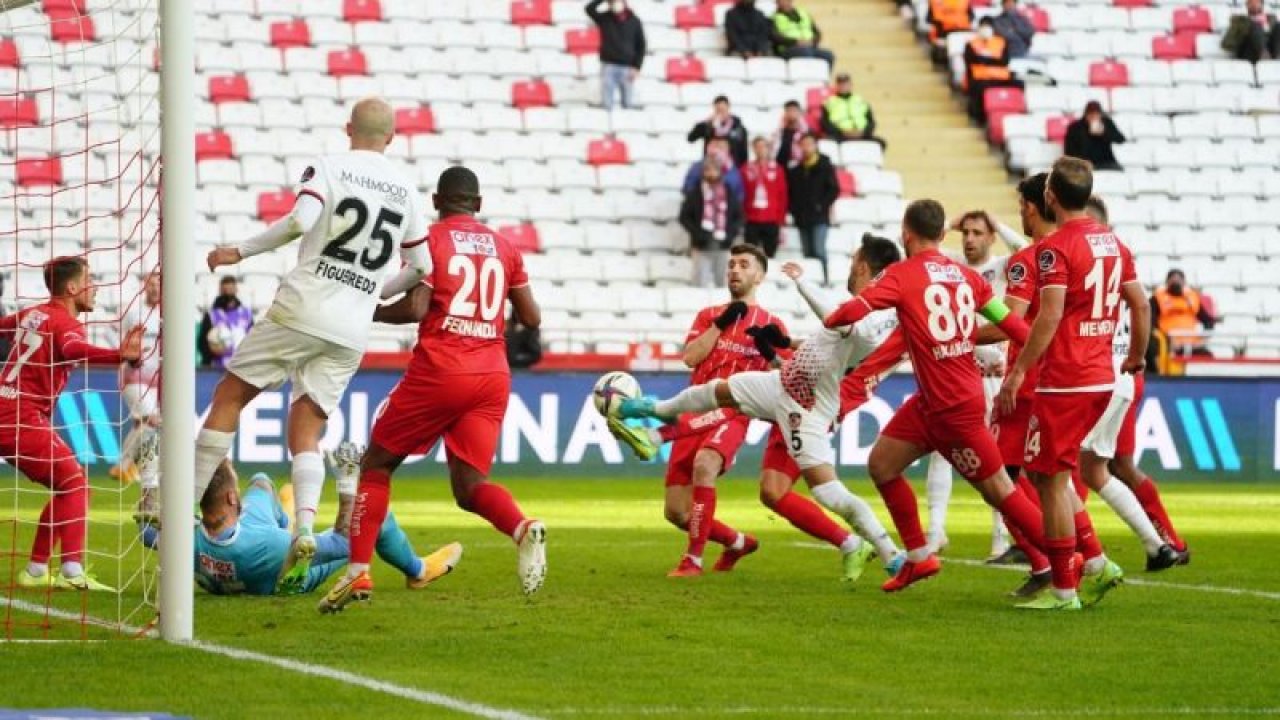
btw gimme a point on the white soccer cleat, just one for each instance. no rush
(531, 560)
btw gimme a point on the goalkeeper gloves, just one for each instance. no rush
(768, 339)
(732, 314)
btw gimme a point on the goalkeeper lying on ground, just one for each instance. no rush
(242, 542)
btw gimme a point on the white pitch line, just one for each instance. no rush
(661, 710)
(321, 671)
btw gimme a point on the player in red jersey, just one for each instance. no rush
(48, 341)
(1084, 271)
(456, 386)
(936, 299)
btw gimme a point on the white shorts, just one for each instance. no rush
(319, 369)
(990, 388)
(761, 395)
(141, 399)
(1101, 440)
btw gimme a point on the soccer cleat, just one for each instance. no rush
(436, 565)
(1033, 585)
(1049, 601)
(913, 572)
(85, 581)
(1012, 556)
(297, 563)
(1163, 559)
(635, 438)
(1184, 555)
(531, 557)
(895, 563)
(855, 563)
(730, 557)
(686, 568)
(641, 407)
(349, 589)
(31, 582)
(1094, 587)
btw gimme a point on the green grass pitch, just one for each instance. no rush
(611, 637)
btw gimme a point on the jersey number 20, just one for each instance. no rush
(486, 284)
(337, 248)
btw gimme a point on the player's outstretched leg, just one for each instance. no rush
(1148, 496)
(889, 458)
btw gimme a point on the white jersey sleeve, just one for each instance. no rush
(812, 376)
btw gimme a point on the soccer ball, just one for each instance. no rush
(611, 389)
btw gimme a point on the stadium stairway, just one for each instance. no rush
(931, 141)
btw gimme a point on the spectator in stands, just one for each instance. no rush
(622, 49)
(786, 142)
(1015, 28)
(723, 124)
(718, 149)
(796, 35)
(712, 214)
(946, 17)
(766, 206)
(846, 115)
(1253, 36)
(1176, 310)
(986, 62)
(224, 325)
(524, 343)
(748, 30)
(1091, 137)
(812, 188)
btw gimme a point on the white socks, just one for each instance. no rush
(850, 544)
(938, 491)
(211, 447)
(355, 569)
(1126, 505)
(835, 497)
(72, 569)
(308, 483)
(999, 536)
(699, 398)
(37, 570)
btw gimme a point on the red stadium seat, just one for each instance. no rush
(531, 12)
(44, 171)
(1129, 4)
(815, 97)
(524, 237)
(274, 205)
(9, 56)
(1181, 46)
(213, 145)
(354, 11)
(1055, 127)
(1108, 74)
(687, 69)
(19, 113)
(1192, 19)
(995, 127)
(607, 152)
(65, 7)
(229, 88)
(1004, 100)
(582, 41)
(689, 17)
(530, 94)
(344, 63)
(291, 34)
(813, 116)
(69, 27)
(848, 184)
(415, 121)
(1039, 18)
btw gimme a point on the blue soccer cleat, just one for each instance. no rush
(641, 407)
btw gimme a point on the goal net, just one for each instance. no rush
(80, 176)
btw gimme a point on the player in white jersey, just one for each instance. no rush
(803, 399)
(140, 389)
(979, 233)
(354, 210)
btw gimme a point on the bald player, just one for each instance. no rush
(354, 211)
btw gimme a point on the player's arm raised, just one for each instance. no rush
(304, 215)
(813, 297)
(697, 349)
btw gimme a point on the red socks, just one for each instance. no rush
(1020, 512)
(372, 497)
(1086, 539)
(722, 534)
(42, 547)
(1062, 553)
(494, 503)
(1028, 488)
(901, 501)
(702, 516)
(1149, 496)
(806, 516)
(63, 521)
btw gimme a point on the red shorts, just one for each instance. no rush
(960, 433)
(1126, 441)
(1059, 424)
(724, 438)
(34, 447)
(1010, 432)
(466, 410)
(777, 459)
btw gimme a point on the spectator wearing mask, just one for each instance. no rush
(812, 188)
(717, 149)
(712, 215)
(946, 17)
(622, 49)
(722, 124)
(748, 30)
(224, 325)
(1015, 28)
(846, 115)
(1253, 36)
(986, 62)
(796, 35)
(1091, 137)
(766, 205)
(524, 343)
(786, 141)
(1176, 311)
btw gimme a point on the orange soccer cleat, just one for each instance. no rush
(913, 572)
(686, 568)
